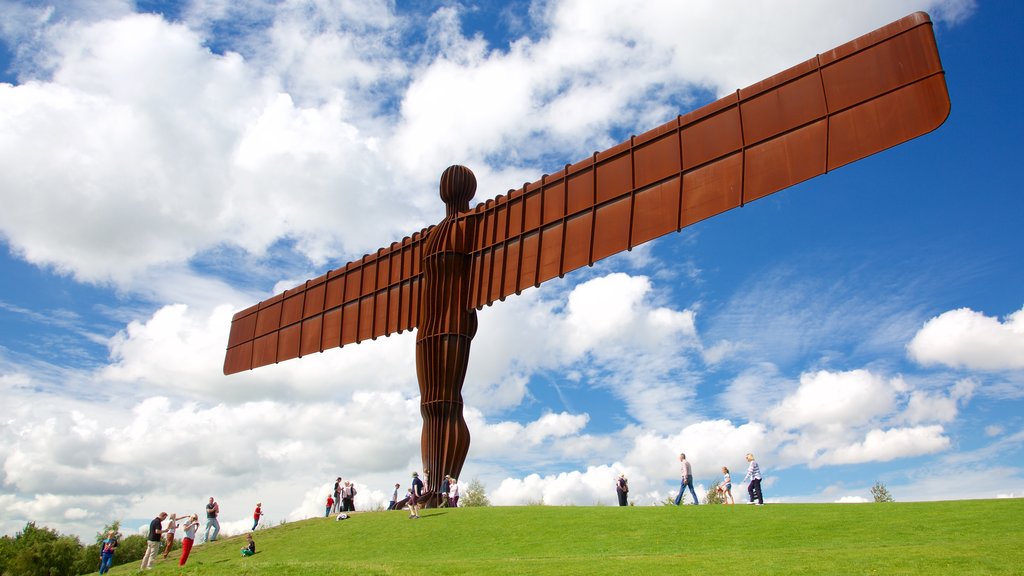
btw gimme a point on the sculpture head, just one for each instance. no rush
(458, 185)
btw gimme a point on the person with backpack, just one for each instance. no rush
(348, 497)
(621, 489)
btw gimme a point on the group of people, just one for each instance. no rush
(160, 533)
(449, 494)
(753, 476)
(343, 499)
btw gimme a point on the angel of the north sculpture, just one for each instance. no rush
(867, 95)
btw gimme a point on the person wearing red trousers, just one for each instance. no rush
(191, 526)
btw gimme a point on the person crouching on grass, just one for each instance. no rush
(251, 548)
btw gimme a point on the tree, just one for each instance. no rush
(880, 493)
(476, 495)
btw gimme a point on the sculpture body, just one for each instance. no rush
(860, 98)
(446, 328)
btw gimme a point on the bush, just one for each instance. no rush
(476, 495)
(880, 493)
(713, 496)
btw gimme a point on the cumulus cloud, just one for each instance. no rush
(964, 338)
(607, 329)
(886, 445)
(195, 172)
(828, 400)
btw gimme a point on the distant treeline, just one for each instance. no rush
(40, 551)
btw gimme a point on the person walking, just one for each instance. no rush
(621, 489)
(190, 528)
(446, 484)
(153, 541)
(725, 488)
(687, 479)
(754, 475)
(454, 488)
(212, 510)
(257, 514)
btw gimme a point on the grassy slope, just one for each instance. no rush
(961, 537)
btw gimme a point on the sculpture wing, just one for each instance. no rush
(860, 98)
(867, 95)
(374, 296)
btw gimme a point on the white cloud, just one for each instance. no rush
(927, 407)
(132, 154)
(829, 400)
(885, 445)
(964, 338)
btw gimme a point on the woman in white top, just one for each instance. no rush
(172, 525)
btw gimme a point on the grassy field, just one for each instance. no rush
(945, 538)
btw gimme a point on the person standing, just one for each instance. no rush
(172, 526)
(446, 484)
(256, 515)
(754, 475)
(212, 510)
(107, 548)
(394, 498)
(191, 527)
(621, 489)
(348, 497)
(414, 496)
(153, 541)
(454, 488)
(337, 495)
(687, 479)
(330, 506)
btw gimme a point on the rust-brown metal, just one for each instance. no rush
(865, 96)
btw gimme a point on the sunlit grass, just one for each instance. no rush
(960, 537)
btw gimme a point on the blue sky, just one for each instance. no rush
(165, 164)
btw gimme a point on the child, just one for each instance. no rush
(330, 503)
(251, 548)
(256, 514)
(725, 488)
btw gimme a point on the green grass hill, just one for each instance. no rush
(928, 538)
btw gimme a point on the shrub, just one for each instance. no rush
(475, 495)
(880, 493)
(713, 496)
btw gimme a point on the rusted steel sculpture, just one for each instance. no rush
(867, 95)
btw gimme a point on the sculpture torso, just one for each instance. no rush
(446, 327)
